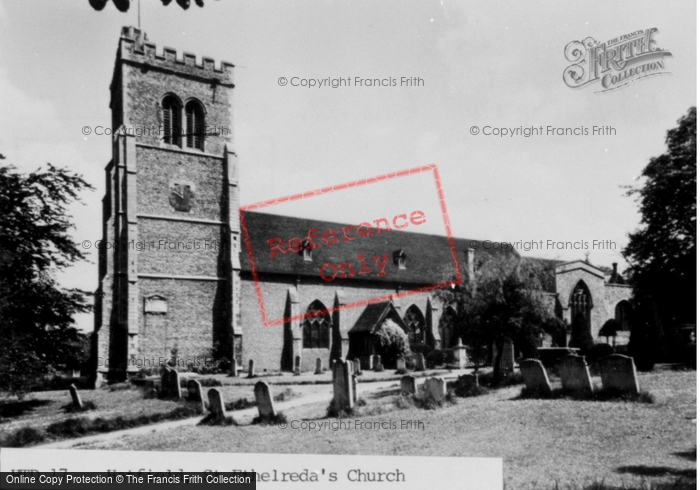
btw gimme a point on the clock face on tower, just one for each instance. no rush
(181, 195)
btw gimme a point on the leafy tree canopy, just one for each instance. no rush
(36, 315)
(663, 251)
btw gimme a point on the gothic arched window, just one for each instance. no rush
(195, 125)
(172, 120)
(415, 322)
(317, 327)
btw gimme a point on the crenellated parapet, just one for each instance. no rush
(135, 47)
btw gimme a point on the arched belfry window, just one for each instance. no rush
(172, 120)
(415, 322)
(195, 125)
(317, 327)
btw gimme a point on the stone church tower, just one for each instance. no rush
(169, 271)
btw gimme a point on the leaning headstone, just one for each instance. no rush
(174, 384)
(435, 389)
(408, 385)
(195, 392)
(216, 404)
(251, 368)
(343, 397)
(319, 366)
(401, 364)
(619, 373)
(376, 362)
(467, 383)
(574, 375)
(420, 362)
(266, 408)
(358, 366)
(535, 377)
(77, 402)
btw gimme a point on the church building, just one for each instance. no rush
(176, 275)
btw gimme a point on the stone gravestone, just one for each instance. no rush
(354, 385)
(343, 398)
(435, 389)
(195, 392)
(251, 368)
(266, 408)
(460, 355)
(619, 373)
(467, 383)
(174, 384)
(408, 385)
(319, 366)
(297, 366)
(420, 362)
(216, 404)
(535, 377)
(77, 402)
(574, 375)
(401, 364)
(376, 362)
(234, 369)
(358, 366)
(165, 382)
(508, 357)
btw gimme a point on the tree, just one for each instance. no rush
(662, 253)
(506, 303)
(391, 342)
(123, 5)
(36, 315)
(646, 335)
(581, 336)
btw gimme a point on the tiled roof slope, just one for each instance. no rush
(428, 257)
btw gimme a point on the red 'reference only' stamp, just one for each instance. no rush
(372, 255)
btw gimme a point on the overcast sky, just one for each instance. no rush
(482, 64)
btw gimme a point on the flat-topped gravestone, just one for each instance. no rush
(535, 377)
(343, 397)
(75, 396)
(358, 366)
(319, 366)
(435, 389)
(420, 362)
(618, 372)
(251, 368)
(376, 362)
(401, 364)
(370, 363)
(467, 383)
(574, 375)
(216, 404)
(408, 385)
(266, 408)
(234, 369)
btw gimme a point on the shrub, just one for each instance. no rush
(598, 351)
(555, 328)
(23, 437)
(87, 405)
(279, 418)
(209, 382)
(436, 358)
(240, 404)
(391, 342)
(285, 395)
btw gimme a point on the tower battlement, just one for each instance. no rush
(135, 47)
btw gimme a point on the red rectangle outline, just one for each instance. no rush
(358, 183)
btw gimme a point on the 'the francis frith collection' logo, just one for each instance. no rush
(614, 63)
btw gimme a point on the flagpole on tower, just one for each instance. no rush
(139, 14)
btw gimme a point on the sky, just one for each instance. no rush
(482, 65)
